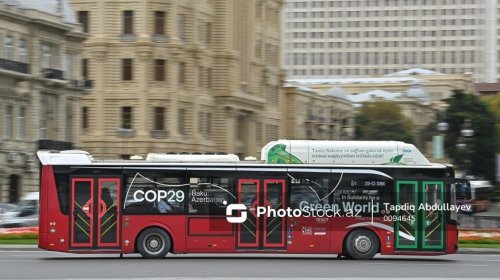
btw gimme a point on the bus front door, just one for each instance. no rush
(261, 232)
(95, 212)
(420, 224)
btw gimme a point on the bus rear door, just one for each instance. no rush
(95, 212)
(420, 224)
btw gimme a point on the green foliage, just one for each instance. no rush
(493, 102)
(480, 241)
(26, 241)
(478, 157)
(479, 245)
(383, 121)
(19, 236)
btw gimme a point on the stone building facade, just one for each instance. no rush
(315, 115)
(180, 76)
(39, 88)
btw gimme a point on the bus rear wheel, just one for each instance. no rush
(153, 243)
(362, 244)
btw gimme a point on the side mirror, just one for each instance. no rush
(463, 189)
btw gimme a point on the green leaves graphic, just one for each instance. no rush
(396, 159)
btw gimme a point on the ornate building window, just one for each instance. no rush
(160, 69)
(128, 22)
(21, 120)
(8, 44)
(9, 122)
(127, 69)
(159, 118)
(126, 117)
(22, 51)
(159, 23)
(83, 18)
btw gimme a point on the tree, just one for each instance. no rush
(493, 103)
(478, 155)
(383, 121)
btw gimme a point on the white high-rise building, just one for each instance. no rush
(346, 38)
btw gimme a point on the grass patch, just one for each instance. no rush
(26, 241)
(19, 239)
(479, 241)
(19, 236)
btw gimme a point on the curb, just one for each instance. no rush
(18, 247)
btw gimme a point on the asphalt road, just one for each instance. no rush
(36, 264)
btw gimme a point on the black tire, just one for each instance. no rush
(153, 243)
(362, 244)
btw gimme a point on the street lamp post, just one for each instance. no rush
(466, 133)
(438, 140)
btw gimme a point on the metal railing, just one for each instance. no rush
(15, 66)
(53, 74)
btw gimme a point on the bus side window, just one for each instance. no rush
(63, 191)
(209, 195)
(171, 195)
(356, 193)
(308, 192)
(149, 195)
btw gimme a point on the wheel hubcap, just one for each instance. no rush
(362, 243)
(154, 244)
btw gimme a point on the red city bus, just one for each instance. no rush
(217, 204)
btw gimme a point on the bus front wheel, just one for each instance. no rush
(153, 243)
(362, 244)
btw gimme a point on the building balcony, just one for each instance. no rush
(86, 84)
(52, 73)
(15, 66)
(128, 37)
(159, 134)
(126, 133)
(159, 38)
(312, 119)
(46, 144)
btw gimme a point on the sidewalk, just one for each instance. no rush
(478, 251)
(5, 247)
(18, 247)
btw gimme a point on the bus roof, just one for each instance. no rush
(78, 157)
(81, 158)
(343, 152)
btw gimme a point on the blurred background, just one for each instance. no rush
(123, 78)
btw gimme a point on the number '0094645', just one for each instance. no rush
(152, 195)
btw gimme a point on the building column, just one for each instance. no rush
(76, 126)
(144, 112)
(62, 120)
(231, 116)
(173, 106)
(251, 148)
(172, 22)
(99, 63)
